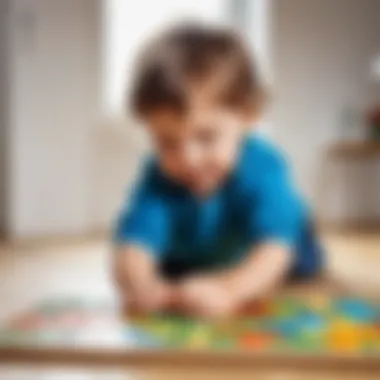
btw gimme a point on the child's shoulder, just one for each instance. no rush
(261, 154)
(262, 165)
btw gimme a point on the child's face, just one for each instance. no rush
(198, 149)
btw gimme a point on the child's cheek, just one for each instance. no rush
(171, 166)
(225, 154)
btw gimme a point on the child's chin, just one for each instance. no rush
(203, 190)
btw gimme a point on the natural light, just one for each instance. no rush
(127, 23)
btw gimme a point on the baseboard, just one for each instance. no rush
(370, 227)
(58, 239)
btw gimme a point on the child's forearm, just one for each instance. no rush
(259, 273)
(134, 268)
(222, 293)
(138, 279)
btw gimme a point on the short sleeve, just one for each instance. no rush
(144, 220)
(276, 211)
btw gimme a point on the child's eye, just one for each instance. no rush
(167, 144)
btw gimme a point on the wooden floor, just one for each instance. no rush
(29, 274)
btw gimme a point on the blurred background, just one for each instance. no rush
(69, 149)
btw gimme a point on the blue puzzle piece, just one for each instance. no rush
(311, 322)
(356, 309)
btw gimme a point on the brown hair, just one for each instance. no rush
(201, 54)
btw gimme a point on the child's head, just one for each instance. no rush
(198, 91)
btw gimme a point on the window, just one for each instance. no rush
(127, 23)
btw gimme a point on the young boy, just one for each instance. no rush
(215, 221)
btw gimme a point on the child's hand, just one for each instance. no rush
(150, 298)
(206, 297)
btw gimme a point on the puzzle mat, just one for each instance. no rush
(316, 324)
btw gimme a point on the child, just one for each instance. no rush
(214, 221)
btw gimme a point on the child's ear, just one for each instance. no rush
(255, 109)
(251, 115)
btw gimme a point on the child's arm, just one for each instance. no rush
(141, 236)
(263, 269)
(137, 278)
(274, 217)
(223, 293)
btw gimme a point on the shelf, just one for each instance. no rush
(352, 149)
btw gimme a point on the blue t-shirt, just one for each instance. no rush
(257, 203)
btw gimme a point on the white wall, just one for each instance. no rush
(322, 51)
(53, 109)
(67, 176)
(3, 110)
